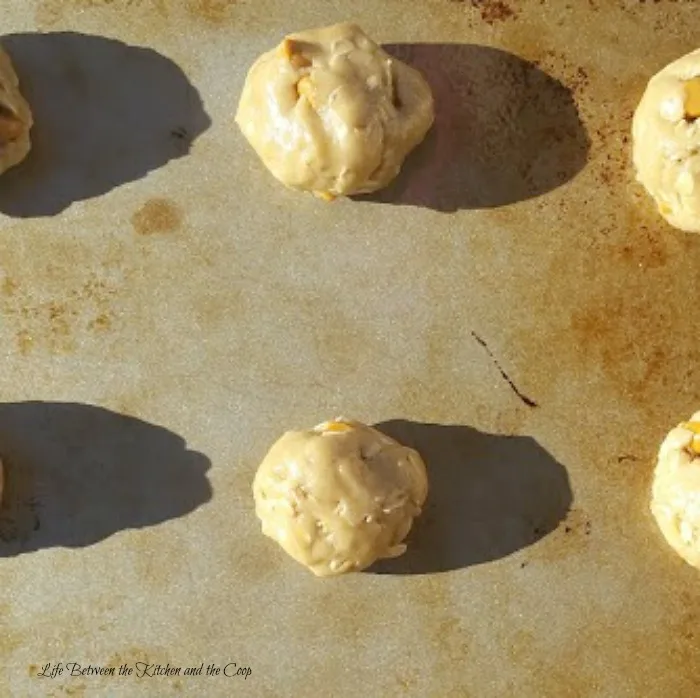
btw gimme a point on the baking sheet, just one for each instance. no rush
(513, 306)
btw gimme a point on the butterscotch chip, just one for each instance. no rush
(292, 51)
(692, 98)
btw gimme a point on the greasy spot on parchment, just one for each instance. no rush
(684, 628)
(636, 342)
(212, 11)
(157, 217)
(9, 642)
(674, 652)
(51, 13)
(337, 612)
(445, 635)
(218, 307)
(545, 674)
(9, 286)
(341, 342)
(257, 558)
(130, 656)
(157, 559)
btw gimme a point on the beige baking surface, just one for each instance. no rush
(213, 309)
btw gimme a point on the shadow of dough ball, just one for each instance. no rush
(105, 113)
(76, 474)
(504, 131)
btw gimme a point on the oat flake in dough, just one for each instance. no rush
(666, 141)
(329, 111)
(675, 499)
(339, 496)
(15, 117)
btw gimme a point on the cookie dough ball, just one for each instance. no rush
(15, 117)
(339, 496)
(666, 142)
(675, 499)
(329, 111)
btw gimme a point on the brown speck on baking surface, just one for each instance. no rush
(157, 217)
(494, 10)
(491, 11)
(569, 540)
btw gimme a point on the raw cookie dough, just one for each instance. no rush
(675, 499)
(666, 142)
(339, 496)
(329, 111)
(15, 117)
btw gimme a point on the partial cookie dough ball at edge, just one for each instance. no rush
(666, 142)
(675, 501)
(339, 496)
(15, 117)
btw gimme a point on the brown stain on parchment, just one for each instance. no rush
(258, 559)
(446, 635)
(158, 559)
(157, 217)
(335, 613)
(489, 11)
(211, 11)
(52, 14)
(341, 342)
(674, 652)
(132, 655)
(55, 324)
(492, 11)
(545, 674)
(640, 345)
(218, 309)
